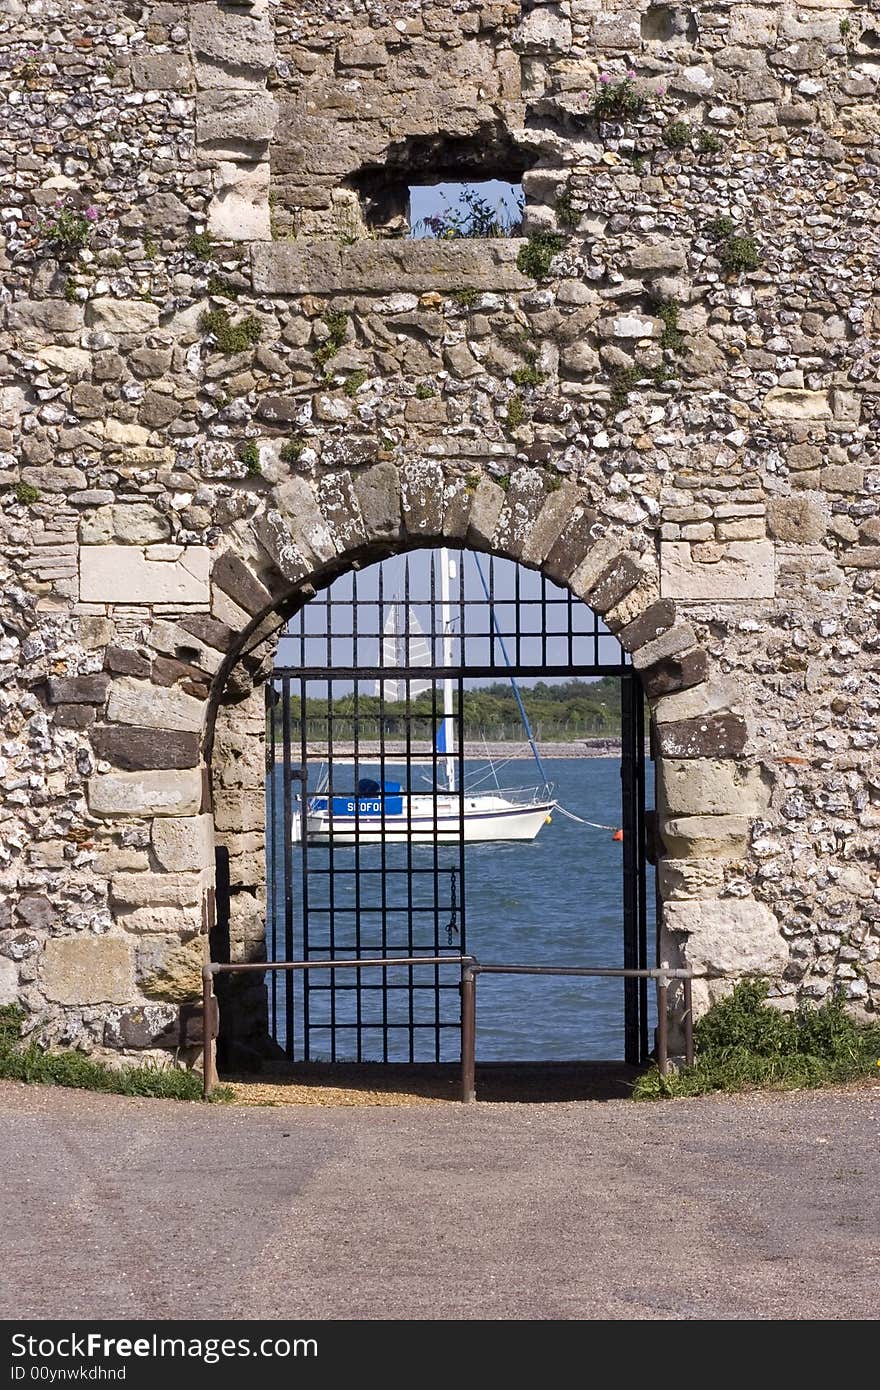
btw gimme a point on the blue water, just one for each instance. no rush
(556, 900)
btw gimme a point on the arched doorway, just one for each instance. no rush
(425, 717)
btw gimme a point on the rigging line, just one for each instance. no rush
(596, 825)
(522, 709)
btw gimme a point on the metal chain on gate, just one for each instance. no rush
(452, 924)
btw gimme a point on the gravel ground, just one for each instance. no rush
(738, 1207)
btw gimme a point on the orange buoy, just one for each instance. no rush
(618, 835)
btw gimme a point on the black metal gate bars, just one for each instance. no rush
(372, 794)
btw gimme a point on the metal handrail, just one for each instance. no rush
(470, 969)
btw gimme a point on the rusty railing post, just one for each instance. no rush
(688, 1021)
(209, 1068)
(662, 1024)
(468, 1034)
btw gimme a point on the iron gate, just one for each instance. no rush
(369, 809)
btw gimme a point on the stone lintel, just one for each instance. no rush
(386, 267)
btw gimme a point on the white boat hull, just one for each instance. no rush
(424, 821)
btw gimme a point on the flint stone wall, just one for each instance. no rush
(688, 443)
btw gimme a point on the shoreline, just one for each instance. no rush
(421, 750)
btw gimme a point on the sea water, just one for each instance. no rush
(555, 900)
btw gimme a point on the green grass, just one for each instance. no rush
(26, 494)
(742, 1043)
(20, 1061)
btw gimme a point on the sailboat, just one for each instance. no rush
(382, 811)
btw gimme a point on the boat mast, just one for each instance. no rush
(447, 745)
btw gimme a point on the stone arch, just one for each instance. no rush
(708, 791)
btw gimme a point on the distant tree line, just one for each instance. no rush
(558, 713)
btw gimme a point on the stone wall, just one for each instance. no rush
(226, 376)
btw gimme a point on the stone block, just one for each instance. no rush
(671, 642)
(708, 698)
(655, 257)
(862, 557)
(305, 520)
(180, 919)
(149, 793)
(138, 575)
(421, 498)
(134, 748)
(710, 736)
(125, 662)
(796, 520)
(650, 625)
(34, 910)
(122, 317)
(378, 493)
(615, 582)
(548, 525)
(240, 810)
(153, 707)
(457, 496)
(710, 787)
(78, 690)
(173, 640)
(232, 41)
(736, 570)
(274, 535)
(674, 673)
(575, 540)
(705, 837)
(789, 403)
(728, 936)
(172, 970)
(235, 125)
(84, 970)
(161, 72)
(487, 504)
(680, 879)
(182, 843)
(527, 488)
(8, 981)
(234, 577)
(41, 322)
(74, 716)
(145, 1025)
(239, 210)
(384, 267)
(156, 890)
(544, 32)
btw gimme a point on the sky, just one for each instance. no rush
(544, 608)
(427, 201)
